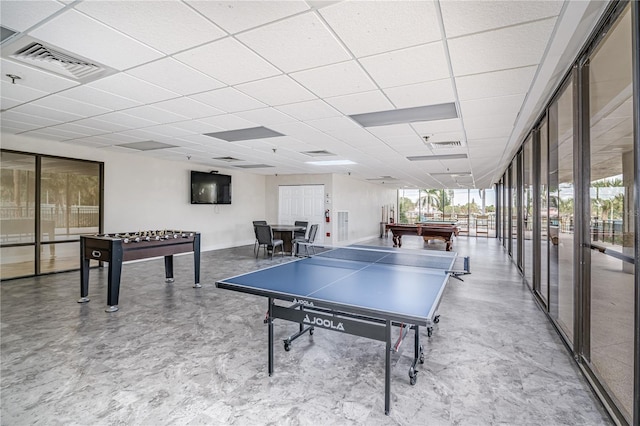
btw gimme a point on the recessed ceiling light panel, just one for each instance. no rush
(146, 145)
(437, 157)
(330, 163)
(407, 115)
(245, 134)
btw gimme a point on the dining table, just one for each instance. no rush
(285, 233)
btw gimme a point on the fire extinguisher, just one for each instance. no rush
(327, 218)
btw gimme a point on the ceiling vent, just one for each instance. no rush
(443, 145)
(32, 52)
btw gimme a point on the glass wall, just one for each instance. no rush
(514, 211)
(527, 210)
(561, 188)
(612, 214)
(40, 234)
(543, 208)
(17, 214)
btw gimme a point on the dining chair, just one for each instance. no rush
(257, 222)
(301, 233)
(264, 234)
(307, 242)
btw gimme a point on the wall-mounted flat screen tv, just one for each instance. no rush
(210, 188)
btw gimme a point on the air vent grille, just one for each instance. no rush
(41, 54)
(445, 144)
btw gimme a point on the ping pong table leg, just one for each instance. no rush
(387, 371)
(270, 332)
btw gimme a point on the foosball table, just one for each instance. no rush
(122, 247)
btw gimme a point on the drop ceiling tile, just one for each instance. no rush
(503, 105)
(236, 16)
(280, 43)
(130, 87)
(70, 106)
(265, 116)
(462, 18)
(437, 126)
(21, 15)
(195, 127)
(361, 103)
(334, 124)
(501, 132)
(475, 122)
(498, 83)
(155, 115)
(309, 110)
(277, 90)
(500, 49)
(40, 111)
(97, 97)
(154, 22)
(228, 61)
(18, 93)
(56, 133)
(393, 130)
(110, 126)
(415, 95)
(116, 138)
(33, 120)
(344, 78)
(34, 79)
(188, 107)
(228, 99)
(76, 128)
(373, 27)
(407, 66)
(13, 126)
(8, 103)
(95, 41)
(125, 121)
(228, 122)
(44, 134)
(175, 76)
(166, 132)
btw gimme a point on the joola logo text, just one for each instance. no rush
(303, 302)
(323, 322)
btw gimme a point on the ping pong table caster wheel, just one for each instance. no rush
(311, 331)
(436, 319)
(429, 331)
(413, 376)
(287, 346)
(421, 356)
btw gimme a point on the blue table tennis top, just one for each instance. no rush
(389, 291)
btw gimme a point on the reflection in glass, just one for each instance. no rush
(561, 259)
(17, 213)
(70, 198)
(543, 190)
(612, 209)
(527, 210)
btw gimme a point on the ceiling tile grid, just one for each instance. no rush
(182, 69)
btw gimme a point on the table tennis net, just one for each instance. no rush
(391, 257)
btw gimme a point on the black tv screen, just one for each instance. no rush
(210, 188)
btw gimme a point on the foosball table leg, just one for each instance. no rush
(168, 268)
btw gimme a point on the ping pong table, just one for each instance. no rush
(358, 290)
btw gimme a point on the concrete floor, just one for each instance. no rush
(183, 356)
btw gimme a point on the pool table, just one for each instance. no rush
(428, 231)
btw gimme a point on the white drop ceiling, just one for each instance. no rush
(300, 68)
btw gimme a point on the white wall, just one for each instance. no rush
(363, 201)
(144, 193)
